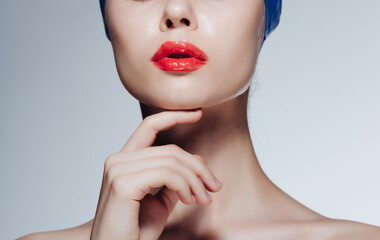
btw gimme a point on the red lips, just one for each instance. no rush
(179, 56)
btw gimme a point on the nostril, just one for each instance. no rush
(169, 23)
(186, 21)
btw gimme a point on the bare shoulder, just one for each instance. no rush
(319, 229)
(344, 229)
(81, 232)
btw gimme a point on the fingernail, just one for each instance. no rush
(218, 182)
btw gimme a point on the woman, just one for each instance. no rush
(189, 171)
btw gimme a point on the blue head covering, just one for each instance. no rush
(273, 13)
(272, 9)
(102, 8)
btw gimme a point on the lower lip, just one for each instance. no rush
(179, 64)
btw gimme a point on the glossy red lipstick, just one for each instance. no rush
(179, 56)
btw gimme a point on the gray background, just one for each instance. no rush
(314, 114)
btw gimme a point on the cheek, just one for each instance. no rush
(235, 49)
(130, 29)
(129, 44)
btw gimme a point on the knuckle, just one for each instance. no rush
(203, 174)
(204, 171)
(177, 180)
(179, 184)
(109, 160)
(196, 182)
(174, 148)
(118, 187)
(148, 120)
(183, 187)
(202, 160)
(172, 160)
(111, 173)
(174, 178)
(165, 171)
(202, 168)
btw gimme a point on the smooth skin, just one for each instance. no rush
(194, 128)
(136, 169)
(127, 210)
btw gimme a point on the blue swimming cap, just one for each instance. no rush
(272, 9)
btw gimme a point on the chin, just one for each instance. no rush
(171, 94)
(174, 102)
(184, 92)
(186, 101)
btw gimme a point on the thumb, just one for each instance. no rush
(153, 218)
(169, 198)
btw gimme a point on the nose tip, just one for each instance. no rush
(178, 14)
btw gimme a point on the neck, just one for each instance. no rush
(222, 138)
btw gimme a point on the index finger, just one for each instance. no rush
(145, 133)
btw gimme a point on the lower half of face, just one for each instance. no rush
(229, 32)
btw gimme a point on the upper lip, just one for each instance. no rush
(179, 47)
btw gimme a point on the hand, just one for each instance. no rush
(126, 210)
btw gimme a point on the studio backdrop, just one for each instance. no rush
(314, 110)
